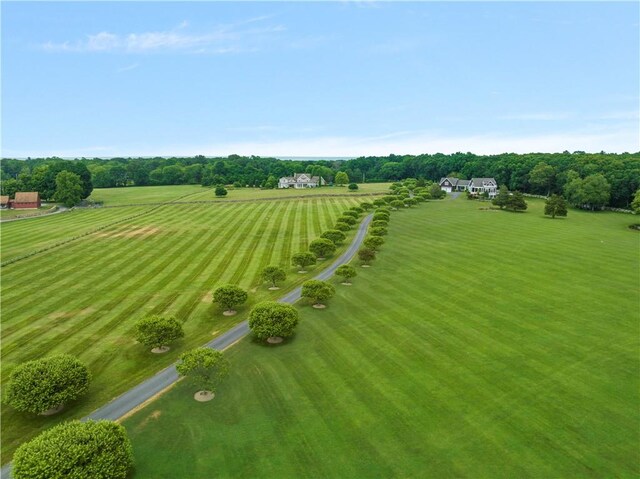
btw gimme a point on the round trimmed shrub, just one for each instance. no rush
(397, 204)
(365, 205)
(229, 296)
(336, 236)
(76, 450)
(351, 213)
(346, 271)
(381, 215)
(373, 242)
(380, 223)
(272, 319)
(303, 259)
(342, 226)
(379, 202)
(273, 274)
(353, 186)
(348, 219)
(317, 290)
(39, 385)
(205, 368)
(158, 331)
(378, 231)
(322, 247)
(357, 209)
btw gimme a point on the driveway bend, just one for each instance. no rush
(130, 400)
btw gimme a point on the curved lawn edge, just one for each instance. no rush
(156, 384)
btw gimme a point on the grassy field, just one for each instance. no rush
(12, 213)
(154, 194)
(480, 344)
(84, 297)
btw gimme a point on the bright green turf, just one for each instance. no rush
(12, 213)
(84, 297)
(155, 194)
(480, 344)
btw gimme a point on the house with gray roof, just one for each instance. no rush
(475, 186)
(301, 180)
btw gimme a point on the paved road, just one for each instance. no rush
(144, 391)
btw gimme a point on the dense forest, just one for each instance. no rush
(537, 173)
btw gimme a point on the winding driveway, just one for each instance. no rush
(135, 397)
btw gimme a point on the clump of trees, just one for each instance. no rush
(555, 206)
(69, 189)
(366, 205)
(205, 368)
(590, 193)
(322, 247)
(317, 290)
(352, 213)
(346, 272)
(45, 385)
(75, 449)
(273, 321)
(342, 226)
(350, 220)
(229, 296)
(273, 274)
(397, 204)
(380, 223)
(353, 186)
(378, 231)
(158, 332)
(220, 191)
(303, 259)
(511, 201)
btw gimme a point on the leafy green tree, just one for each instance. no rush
(341, 178)
(351, 213)
(380, 223)
(373, 242)
(397, 204)
(377, 231)
(271, 183)
(635, 204)
(357, 209)
(157, 331)
(270, 319)
(353, 186)
(220, 191)
(516, 202)
(9, 187)
(379, 202)
(172, 175)
(410, 202)
(273, 274)
(317, 290)
(502, 198)
(43, 384)
(592, 193)
(68, 189)
(342, 226)
(542, 176)
(435, 192)
(389, 198)
(366, 255)
(346, 272)
(381, 215)
(304, 259)
(322, 247)
(348, 219)
(555, 206)
(366, 205)
(205, 368)
(229, 296)
(75, 449)
(336, 236)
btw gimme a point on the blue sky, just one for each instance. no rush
(318, 79)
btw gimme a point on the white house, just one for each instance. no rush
(475, 186)
(301, 180)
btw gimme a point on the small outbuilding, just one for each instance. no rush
(4, 201)
(26, 200)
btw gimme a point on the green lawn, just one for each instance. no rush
(155, 194)
(480, 344)
(83, 298)
(12, 213)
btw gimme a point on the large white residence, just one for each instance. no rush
(475, 186)
(301, 180)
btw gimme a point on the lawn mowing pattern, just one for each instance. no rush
(509, 354)
(144, 194)
(25, 236)
(84, 298)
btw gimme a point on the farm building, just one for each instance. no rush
(4, 201)
(26, 200)
(301, 181)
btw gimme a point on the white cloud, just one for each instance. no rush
(223, 39)
(133, 66)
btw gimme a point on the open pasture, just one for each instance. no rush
(480, 344)
(84, 297)
(157, 194)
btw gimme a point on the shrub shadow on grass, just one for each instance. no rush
(263, 342)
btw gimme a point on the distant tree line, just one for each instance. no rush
(536, 173)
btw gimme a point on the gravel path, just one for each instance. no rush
(127, 402)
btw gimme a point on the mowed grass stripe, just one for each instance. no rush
(453, 356)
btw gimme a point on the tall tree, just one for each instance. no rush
(68, 189)
(555, 206)
(542, 176)
(341, 178)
